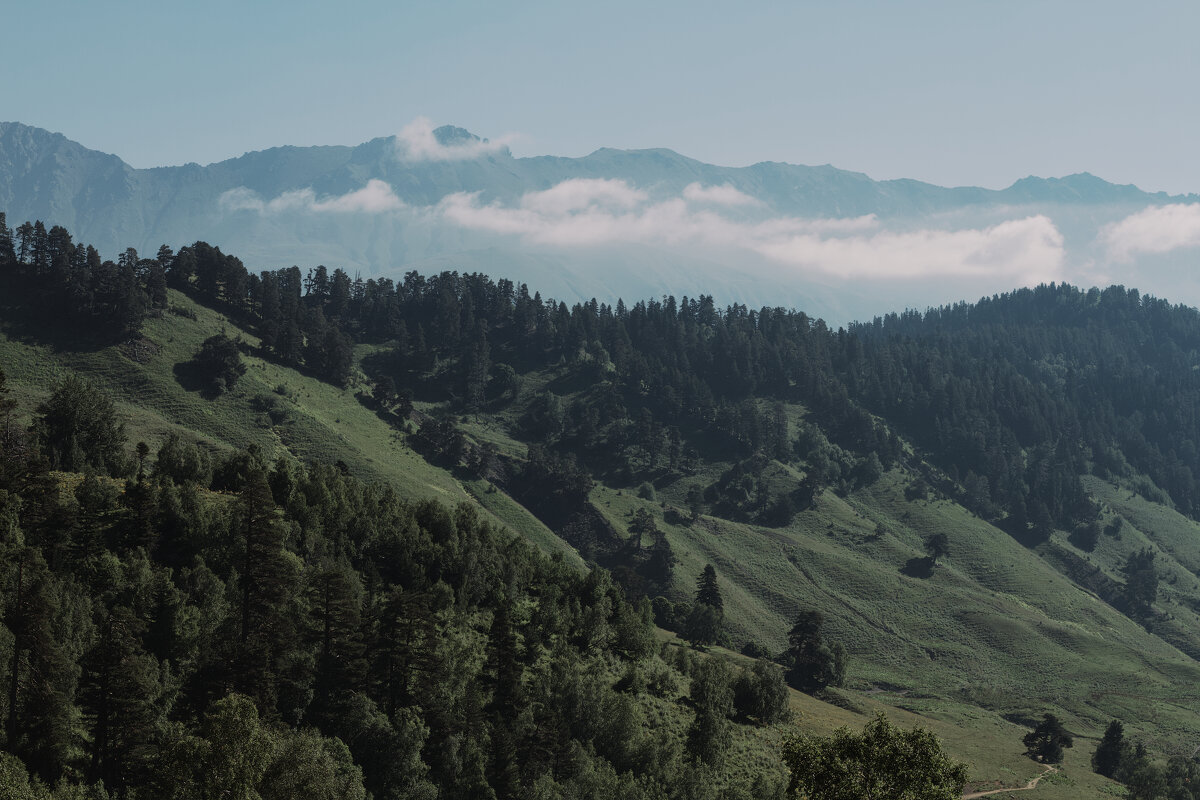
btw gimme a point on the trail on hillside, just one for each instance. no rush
(1031, 785)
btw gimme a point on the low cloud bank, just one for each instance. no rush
(724, 195)
(1157, 229)
(587, 212)
(376, 197)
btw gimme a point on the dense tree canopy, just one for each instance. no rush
(882, 762)
(143, 616)
(273, 630)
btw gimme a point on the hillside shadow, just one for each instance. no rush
(189, 376)
(21, 325)
(918, 567)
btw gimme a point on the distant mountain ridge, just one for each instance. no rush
(112, 205)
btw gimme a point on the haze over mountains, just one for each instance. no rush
(629, 223)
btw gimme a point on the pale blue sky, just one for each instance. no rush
(950, 92)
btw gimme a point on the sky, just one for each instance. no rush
(954, 93)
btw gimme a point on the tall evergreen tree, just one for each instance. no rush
(41, 725)
(8, 255)
(268, 578)
(707, 591)
(812, 664)
(1106, 760)
(119, 691)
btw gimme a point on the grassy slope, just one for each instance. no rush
(995, 636)
(322, 423)
(994, 631)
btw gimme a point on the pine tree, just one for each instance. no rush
(335, 597)
(156, 282)
(268, 579)
(707, 591)
(812, 664)
(119, 691)
(41, 675)
(8, 255)
(1107, 758)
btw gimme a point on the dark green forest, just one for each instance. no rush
(176, 626)
(184, 624)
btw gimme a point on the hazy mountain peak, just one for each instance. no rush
(448, 135)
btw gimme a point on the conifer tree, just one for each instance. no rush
(8, 256)
(119, 690)
(268, 579)
(41, 725)
(1107, 758)
(707, 591)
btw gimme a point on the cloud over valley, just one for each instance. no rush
(721, 221)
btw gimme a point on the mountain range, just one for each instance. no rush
(629, 223)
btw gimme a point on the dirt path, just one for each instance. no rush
(1031, 785)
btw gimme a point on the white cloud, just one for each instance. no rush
(1029, 250)
(723, 195)
(593, 212)
(416, 142)
(240, 199)
(583, 213)
(579, 194)
(374, 198)
(1156, 229)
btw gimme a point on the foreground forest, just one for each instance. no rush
(444, 537)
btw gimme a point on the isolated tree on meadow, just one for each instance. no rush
(1141, 581)
(707, 590)
(219, 363)
(705, 623)
(1107, 758)
(811, 664)
(1045, 742)
(937, 545)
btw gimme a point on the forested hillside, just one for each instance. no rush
(180, 622)
(978, 514)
